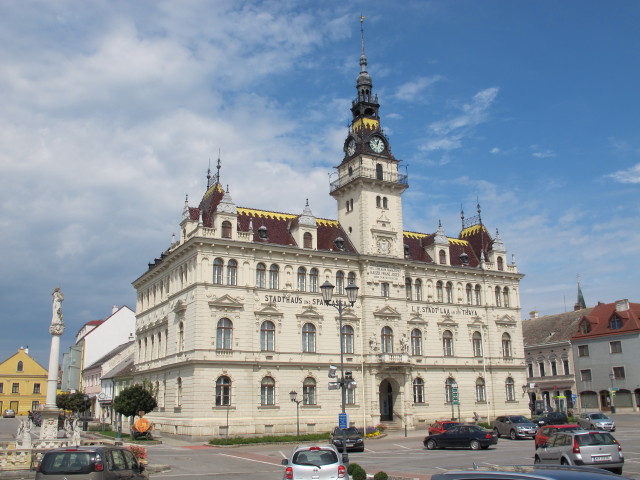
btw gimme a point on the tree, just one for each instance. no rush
(75, 402)
(133, 400)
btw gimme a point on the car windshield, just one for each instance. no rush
(346, 431)
(519, 419)
(315, 457)
(66, 463)
(599, 416)
(449, 425)
(595, 438)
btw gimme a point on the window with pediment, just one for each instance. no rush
(308, 337)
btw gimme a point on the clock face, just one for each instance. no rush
(351, 147)
(376, 144)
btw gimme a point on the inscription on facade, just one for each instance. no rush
(384, 272)
(444, 310)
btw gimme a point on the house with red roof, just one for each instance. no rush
(231, 322)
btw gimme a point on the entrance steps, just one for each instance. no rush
(395, 426)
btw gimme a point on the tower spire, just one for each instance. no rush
(218, 167)
(580, 304)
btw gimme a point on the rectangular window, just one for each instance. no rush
(567, 370)
(1, 387)
(36, 388)
(618, 373)
(585, 375)
(615, 347)
(34, 405)
(15, 388)
(384, 289)
(583, 350)
(541, 367)
(530, 367)
(554, 368)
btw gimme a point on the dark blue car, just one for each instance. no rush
(462, 436)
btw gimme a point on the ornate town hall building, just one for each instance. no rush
(230, 319)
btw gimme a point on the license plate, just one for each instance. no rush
(601, 458)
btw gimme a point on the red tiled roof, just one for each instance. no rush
(600, 321)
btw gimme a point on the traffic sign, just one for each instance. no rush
(343, 420)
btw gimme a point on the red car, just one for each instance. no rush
(441, 427)
(545, 432)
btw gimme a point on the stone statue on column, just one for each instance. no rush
(49, 427)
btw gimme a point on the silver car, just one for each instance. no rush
(322, 462)
(593, 449)
(596, 421)
(515, 426)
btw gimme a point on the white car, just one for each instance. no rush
(317, 462)
(596, 421)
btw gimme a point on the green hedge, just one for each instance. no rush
(310, 437)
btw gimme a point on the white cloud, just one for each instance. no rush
(630, 175)
(494, 150)
(411, 91)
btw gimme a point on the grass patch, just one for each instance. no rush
(310, 437)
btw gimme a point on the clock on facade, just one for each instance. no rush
(376, 144)
(351, 147)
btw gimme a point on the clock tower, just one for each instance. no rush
(369, 187)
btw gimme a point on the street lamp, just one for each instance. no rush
(293, 395)
(352, 294)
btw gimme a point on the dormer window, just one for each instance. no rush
(585, 327)
(262, 232)
(443, 257)
(407, 251)
(308, 240)
(500, 263)
(226, 229)
(464, 258)
(339, 243)
(615, 323)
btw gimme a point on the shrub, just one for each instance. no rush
(356, 472)
(381, 476)
(486, 425)
(381, 428)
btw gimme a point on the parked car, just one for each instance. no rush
(9, 413)
(545, 432)
(528, 472)
(353, 438)
(551, 418)
(315, 462)
(596, 421)
(441, 426)
(591, 448)
(92, 463)
(462, 436)
(515, 426)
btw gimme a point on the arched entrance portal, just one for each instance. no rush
(386, 401)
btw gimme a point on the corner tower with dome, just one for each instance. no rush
(230, 318)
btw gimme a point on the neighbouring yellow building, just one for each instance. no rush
(23, 383)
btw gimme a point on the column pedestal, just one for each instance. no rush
(49, 426)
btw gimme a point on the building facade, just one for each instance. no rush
(606, 349)
(23, 383)
(230, 318)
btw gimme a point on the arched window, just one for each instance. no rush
(226, 229)
(20, 366)
(510, 390)
(217, 271)
(407, 287)
(481, 393)
(416, 342)
(469, 290)
(302, 279)
(498, 298)
(179, 392)
(447, 343)
(478, 295)
(223, 391)
(340, 282)
(347, 339)
(307, 240)
(274, 277)
(351, 278)
(385, 205)
(439, 292)
(505, 296)
(267, 391)
(449, 288)
(379, 174)
(267, 336)
(232, 272)
(160, 351)
(308, 337)
(180, 337)
(378, 201)
(476, 339)
(313, 280)
(418, 390)
(261, 275)
(506, 345)
(449, 385)
(387, 340)
(309, 391)
(418, 289)
(224, 334)
(500, 263)
(442, 257)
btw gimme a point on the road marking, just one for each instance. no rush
(283, 455)
(402, 446)
(248, 459)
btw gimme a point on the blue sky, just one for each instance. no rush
(112, 110)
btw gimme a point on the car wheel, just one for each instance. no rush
(512, 435)
(564, 461)
(432, 445)
(496, 432)
(536, 459)
(474, 445)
